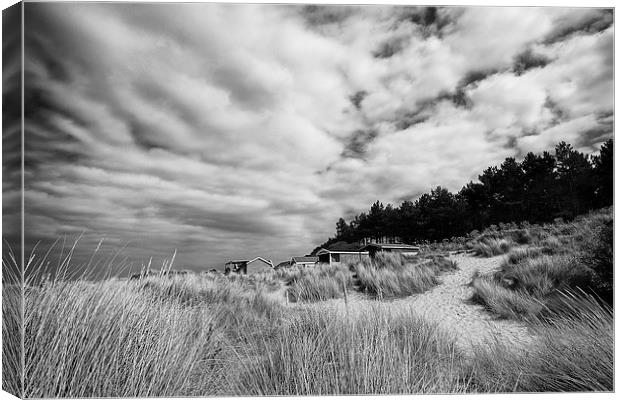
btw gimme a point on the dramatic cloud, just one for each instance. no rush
(230, 131)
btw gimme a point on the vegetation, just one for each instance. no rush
(492, 247)
(538, 189)
(573, 352)
(392, 275)
(378, 350)
(318, 283)
(560, 256)
(204, 335)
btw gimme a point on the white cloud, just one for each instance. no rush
(220, 129)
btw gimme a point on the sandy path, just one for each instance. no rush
(448, 304)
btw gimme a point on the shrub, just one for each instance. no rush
(598, 255)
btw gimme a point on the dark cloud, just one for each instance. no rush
(422, 113)
(473, 77)
(358, 142)
(592, 21)
(390, 48)
(357, 98)
(527, 60)
(459, 96)
(231, 222)
(411, 196)
(318, 15)
(412, 118)
(558, 114)
(594, 136)
(11, 133)
(431, 19)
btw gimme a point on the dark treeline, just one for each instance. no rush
(539, 189)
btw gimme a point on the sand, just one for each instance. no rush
(448, 305)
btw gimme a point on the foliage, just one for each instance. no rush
(539, 189)
(598, 255)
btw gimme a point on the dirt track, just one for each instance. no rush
(448, 304)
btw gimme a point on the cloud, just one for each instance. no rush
(231, 131)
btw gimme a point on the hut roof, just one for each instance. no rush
(269, 262)
(344, 246)
(304, 259)
(391, 246)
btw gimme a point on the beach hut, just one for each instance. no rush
(249, 267)
(401, 248)
(338, 254)
(306, 261)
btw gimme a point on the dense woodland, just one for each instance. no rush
(538, 189)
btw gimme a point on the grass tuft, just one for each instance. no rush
(572, 352)
(379, 350)
(392, 275)
(317, 283)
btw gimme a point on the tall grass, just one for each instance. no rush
(209, 335)
(572, 352)
(194, 289)
(392, 275)
(12, 323)
(492, 247)
(561, 256)
(504, 302)
(12, 339)
(378, 350)
(317, 283)
(106, 339)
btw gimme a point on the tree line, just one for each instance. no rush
(538, 189)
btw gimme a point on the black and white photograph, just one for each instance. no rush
(205, 199)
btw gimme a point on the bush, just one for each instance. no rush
(598, 255)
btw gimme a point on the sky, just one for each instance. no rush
(234, 131)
